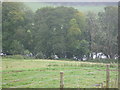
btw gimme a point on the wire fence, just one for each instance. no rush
(62, 79)
(106, 84)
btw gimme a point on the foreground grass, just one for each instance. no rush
(35, 73)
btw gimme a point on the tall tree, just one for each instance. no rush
(58, 31)
(109, 23)
(15, 26)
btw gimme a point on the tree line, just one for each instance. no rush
(62, 31)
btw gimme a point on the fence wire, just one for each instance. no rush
(67, 76)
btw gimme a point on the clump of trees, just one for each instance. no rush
(62, 31)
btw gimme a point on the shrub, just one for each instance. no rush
(40, 55)
(14, 56)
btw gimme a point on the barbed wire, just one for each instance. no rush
(48, 75)
(33, 83)
(52, 78)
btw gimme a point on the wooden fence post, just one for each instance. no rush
(61, 80)
(107, 75)
(102, 85)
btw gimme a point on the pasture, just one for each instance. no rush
(38, 73)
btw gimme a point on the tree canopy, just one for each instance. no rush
(62, 31)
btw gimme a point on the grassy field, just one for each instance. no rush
(37, 73)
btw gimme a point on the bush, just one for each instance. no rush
(40, 55)
(14, 56)
(18, 57)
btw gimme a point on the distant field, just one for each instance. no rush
(84, 8)
(36, 73)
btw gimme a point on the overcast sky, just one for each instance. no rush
(61, 0)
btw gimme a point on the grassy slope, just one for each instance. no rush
(45, 73)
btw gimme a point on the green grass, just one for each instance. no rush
(104, 61)
(38, 73)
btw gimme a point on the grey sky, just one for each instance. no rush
(61, 0)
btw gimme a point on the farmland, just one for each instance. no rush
(45, 45)
(40, 73)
